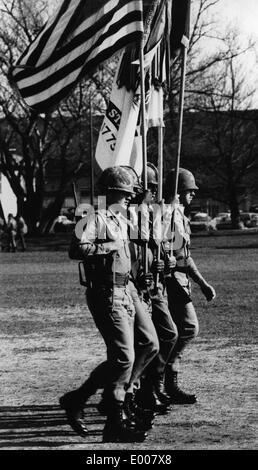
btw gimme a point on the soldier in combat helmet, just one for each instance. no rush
(178, 283)
(104, 248)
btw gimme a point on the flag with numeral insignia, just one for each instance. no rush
(120, 140)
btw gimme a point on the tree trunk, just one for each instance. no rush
(30, 209)
(234, 209)
(51, 213)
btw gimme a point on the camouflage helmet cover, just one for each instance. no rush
(152, 174)
(116, 178)
(136, 179)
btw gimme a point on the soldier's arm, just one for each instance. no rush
(197, 277)
(90, 244)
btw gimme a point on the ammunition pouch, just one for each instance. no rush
(94, 267)
(97, 272)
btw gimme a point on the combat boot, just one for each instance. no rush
(120, 429)
(161, 392)
(178, 396)
(73, 405)
(147, 397)
(141, 412)
(143, 419)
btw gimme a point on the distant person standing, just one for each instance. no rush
(11, 231)
(22, 230)
(2, 233)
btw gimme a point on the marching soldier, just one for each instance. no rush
(104, 248)
(152, 393)
(178, 283)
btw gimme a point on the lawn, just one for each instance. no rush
(49, 344)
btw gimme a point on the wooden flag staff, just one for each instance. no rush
(91, 157)
(179, 137)
(144, 140)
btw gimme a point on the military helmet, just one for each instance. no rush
(116, 178)
(137, 184)
(186, 181)
(152, 174)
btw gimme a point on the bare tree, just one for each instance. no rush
(33, 146)
(227, 126)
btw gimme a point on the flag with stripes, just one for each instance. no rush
(79, 36)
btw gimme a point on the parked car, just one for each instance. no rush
(201, 221)
(252, 221)
(223, 221)
(247, 220)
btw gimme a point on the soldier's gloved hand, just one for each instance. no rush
(158, 266)
(208, 291)
(170, 263)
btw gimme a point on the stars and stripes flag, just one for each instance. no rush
(77, 38)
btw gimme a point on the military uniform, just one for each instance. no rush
(179, 291)
(108, 295)
(178, 281)
(106, 256)
(152, 392)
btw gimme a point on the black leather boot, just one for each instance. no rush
(73, 404)
(143, 419)
(119, 429)
(147, 397)
(178, 396)
(161, 392)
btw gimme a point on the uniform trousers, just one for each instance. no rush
(143, 337)
(167, 334)
(184, 318)
(113, 312)
(146, 342)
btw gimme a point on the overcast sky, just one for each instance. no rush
(241, 12)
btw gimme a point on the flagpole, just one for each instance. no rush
(143, 116)
(180, 128)
(180, 117)
(91, 157)
(144, 139)
(160, 187)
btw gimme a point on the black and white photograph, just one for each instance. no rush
(128, 230)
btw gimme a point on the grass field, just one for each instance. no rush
(49, 345)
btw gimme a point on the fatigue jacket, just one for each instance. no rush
(102, 227)
(181, 245)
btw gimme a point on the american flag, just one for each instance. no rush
(80, 35)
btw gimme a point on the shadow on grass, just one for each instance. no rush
(44, 426)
